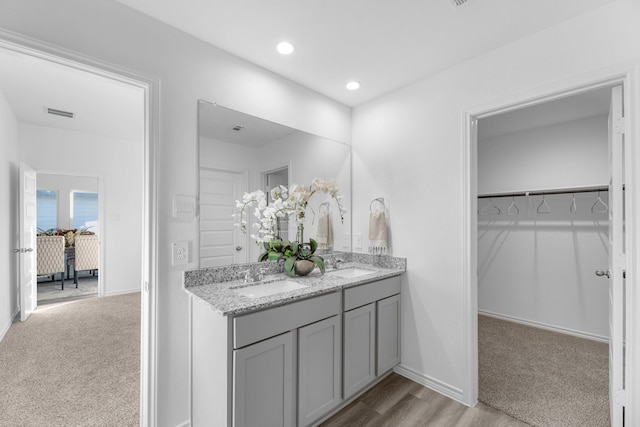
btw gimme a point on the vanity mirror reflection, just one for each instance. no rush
(241, 153)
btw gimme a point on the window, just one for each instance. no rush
(47, 209)
(84, 209)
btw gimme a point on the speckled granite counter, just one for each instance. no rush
(215, 286)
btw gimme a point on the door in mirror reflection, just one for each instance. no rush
(221, 243)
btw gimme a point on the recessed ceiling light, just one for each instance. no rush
(285, 48)
(353, 85)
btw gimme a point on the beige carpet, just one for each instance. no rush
(73, 364)
(541, 377)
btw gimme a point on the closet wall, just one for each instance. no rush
(535, 267)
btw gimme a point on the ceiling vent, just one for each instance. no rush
(458, 2)
(60, 113)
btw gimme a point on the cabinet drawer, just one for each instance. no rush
(370, 292)
(261, 325)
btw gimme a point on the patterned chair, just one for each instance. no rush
(50, 254)
(87, 254)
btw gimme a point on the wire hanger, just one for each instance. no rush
(543, 207)
(604, 208)
(483, 211)
(513, 208)
(573, 208)
(380, 200)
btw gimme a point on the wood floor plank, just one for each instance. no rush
(397, 401)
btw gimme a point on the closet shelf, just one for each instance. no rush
(546, 192)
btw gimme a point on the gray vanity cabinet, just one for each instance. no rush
(319, 369)
(359, 348)
(371, 332)
(387, 336)
(263, 377)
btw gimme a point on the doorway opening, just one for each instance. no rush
(68, 204)
(543, 216)
(472, 209)
(25, 54)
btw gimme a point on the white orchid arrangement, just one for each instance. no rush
(286, 202)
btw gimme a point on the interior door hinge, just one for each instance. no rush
(618, 125)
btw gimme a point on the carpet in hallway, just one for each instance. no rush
(73, 364)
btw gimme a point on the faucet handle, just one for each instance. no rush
(247, 276)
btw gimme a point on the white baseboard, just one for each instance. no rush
(6, 327)
(126, 291)
(548, 327)
(441, 387)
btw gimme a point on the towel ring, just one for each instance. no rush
(324, 208)
(379, 200)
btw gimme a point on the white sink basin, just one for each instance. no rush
(351, 272)
(271, 288)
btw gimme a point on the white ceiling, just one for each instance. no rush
(102, 106)
(384, 44)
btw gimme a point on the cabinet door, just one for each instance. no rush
(388, 334)
(359, 348)
(263, 381)
(319, 369)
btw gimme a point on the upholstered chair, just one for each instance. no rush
(87, 254)
(50, 255)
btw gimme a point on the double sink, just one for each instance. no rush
(279, 286)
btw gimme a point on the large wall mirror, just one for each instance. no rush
(240, 153)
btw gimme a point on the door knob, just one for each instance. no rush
(603, 273)
(238, 248)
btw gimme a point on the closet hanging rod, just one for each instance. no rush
(546, 192)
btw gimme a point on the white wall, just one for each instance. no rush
(408, 147)
(118, 164)
(539, 267)
(570, 154)
(9, 165)
(188, 70)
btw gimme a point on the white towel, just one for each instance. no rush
(325, 231)
(377, 233)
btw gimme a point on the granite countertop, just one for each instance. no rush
(221, 297)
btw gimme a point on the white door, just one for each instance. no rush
(27, 250)
(616, 258)
(221, 243)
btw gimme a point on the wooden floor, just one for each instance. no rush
(399, 402)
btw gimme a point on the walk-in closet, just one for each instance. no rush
(543, 231)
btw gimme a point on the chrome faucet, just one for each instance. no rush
(336, 263)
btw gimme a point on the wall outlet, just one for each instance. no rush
(180, 253)
(357, 241)
(346, 241)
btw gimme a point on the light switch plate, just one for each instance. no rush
(346, 241)
(357, 241)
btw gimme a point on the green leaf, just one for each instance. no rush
(276, 244)
(263, 257)
(318, 261)
(313, 245)
(266, 246)
(274, 256)
(289, 266)
(294, 247)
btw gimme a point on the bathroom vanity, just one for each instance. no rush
(287, 351)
